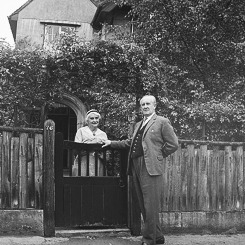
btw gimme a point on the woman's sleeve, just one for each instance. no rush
(78, 137)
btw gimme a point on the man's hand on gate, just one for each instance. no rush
(106, 143)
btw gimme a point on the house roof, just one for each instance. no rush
(21, 7)
(102, 10)
(97, 2)
(14, 17)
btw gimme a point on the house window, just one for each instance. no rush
(53, 32)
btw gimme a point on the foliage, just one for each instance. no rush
(102, 74)
(202, 44)
(199, 37)
(221, 120)
(107, 76)
(23, 81)
(190, 52)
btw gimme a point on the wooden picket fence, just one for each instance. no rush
(205, 176)
(27, 171)
(201, 176)
(21, 172)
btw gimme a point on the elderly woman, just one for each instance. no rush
(90, 134)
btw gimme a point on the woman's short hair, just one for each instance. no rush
(94, 112)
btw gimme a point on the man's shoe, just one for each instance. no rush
(160, 240)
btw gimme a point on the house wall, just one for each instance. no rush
(78, 12)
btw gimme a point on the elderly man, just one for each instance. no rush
(153, 140)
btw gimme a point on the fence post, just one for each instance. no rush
(48, 178)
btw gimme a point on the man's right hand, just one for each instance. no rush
(106, 143)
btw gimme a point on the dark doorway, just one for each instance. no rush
(65, 122)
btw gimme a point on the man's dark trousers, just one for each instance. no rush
(148, 189)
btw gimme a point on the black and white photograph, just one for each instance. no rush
(122, 122)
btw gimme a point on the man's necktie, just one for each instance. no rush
(144, 122)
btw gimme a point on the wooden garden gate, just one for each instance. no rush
(90, 201)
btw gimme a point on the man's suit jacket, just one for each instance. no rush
(158, 141)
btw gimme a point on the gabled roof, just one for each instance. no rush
(102, 10)
(20, 8)
(97, 2)
(14, 17)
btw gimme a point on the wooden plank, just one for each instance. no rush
(180, 185)
(107, 180)
(59, 200)
(198, 174)
(78, 161)
(121, 204)
(30, 196)
(240, 173)
(14, 166)
(48, 178)
(6, 170)
(67, 205)
(191, 178)
(98, 203)
(183, 179)
(243, 204)
(70, 157)
(171, 172)
(21, 129)
(206, 159)
(87, 204)
(23, 170)
(123, 168)
(228, 177)
(209, 179)
(112, 213)
(38, 167)
(234, 184)
(75, 205)
(165, 183)
(175, 177)
(1, 166)
(202, 179)
(214, 186)
(195, 178)
(211, 143)
(221, 172)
